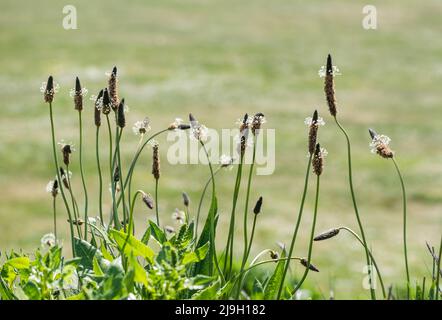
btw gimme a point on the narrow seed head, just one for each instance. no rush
(147, 199)
(313, 133)
(156, 162)
(327, 234)
(78, 96)
(191, 118)
(244, 125)
(54, 190)
(77, 222)
(186, 199)
(113, 88)
(121, 118)
(258, 206)
(49, 91)
(64, 178)
(257, 122)
(329, 87)
(117, 174)
(106, 102)
(305, 263)
(66, 151)
(97, 109)
(183, 126)
(380, 145)
(318, 160)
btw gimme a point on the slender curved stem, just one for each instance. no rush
(60, 183)
(312, 235)
(100, 177)
(118, 155)
(156, 203)
(229, 246)
(252, 234)
(54, 208)
(138, 148)
(212, 216)
(298, 223)
(404, 232)
(201, 202)
(82, 174)
(371, 257)
(74, 204)
(355, 206)
(439, 270)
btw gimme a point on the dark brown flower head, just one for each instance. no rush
(98, 107)
(274, 255)
(318, 160)
(380, 144)
(121, 118)
(329, 87)
(156, 161)
(327, 234)
(64, 179)
(244, 124)
(113, 88)
(147, 199)
(106, 102)
(78, 95)
(49, 91)
(257, 122)
(313, 133)
(66, 150)
(117, 174)
(169, 229)
(192, 118)
(258, 206)
(305, 263)
(183, 126)
(186, 199)
(77, 222)
(53, 187)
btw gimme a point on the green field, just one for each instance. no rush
(218, 60)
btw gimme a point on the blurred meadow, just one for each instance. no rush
(218, 60)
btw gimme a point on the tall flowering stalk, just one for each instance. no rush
(313, 124)
(243, 132)
(97, 122)
(318, 165)
(49, 91)
(329, 73)
(52, 188)
(121, 123)
(78, 94)
(156, 175)
(380, 145)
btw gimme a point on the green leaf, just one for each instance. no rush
(205, 266)
(97, 268)
(157, 233)
(5, 292)
(196, 256)
(32, 291)
(275, 280)
(106, 253)
(146, 236)
(131, 244)
(140, 275)
(208, 293)
(86, 252)
(19, 263)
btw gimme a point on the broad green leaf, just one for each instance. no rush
(19, 263)
(275, 280)
(196, 256)
(146, 236)
(106, 254)
(97, 268)
(208, 293)
(86, 252)
(157, 233)
(32, 291)
(132, 244)
(140, 274)
(5, 292)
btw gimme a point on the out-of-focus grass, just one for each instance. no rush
(220, 59)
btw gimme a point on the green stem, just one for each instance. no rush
(355, 206)
(100, 177)
(298, 223)
(118, 155)
(229, 246)
(439, 270)
(201, 203)
(82, 175)
(74, 204)
(404, 203)
(60, 183)
(312, 235)
(54, 207)
(371, 257)
(156, 203)
(212, 215)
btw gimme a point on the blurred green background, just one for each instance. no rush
(220, 59)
